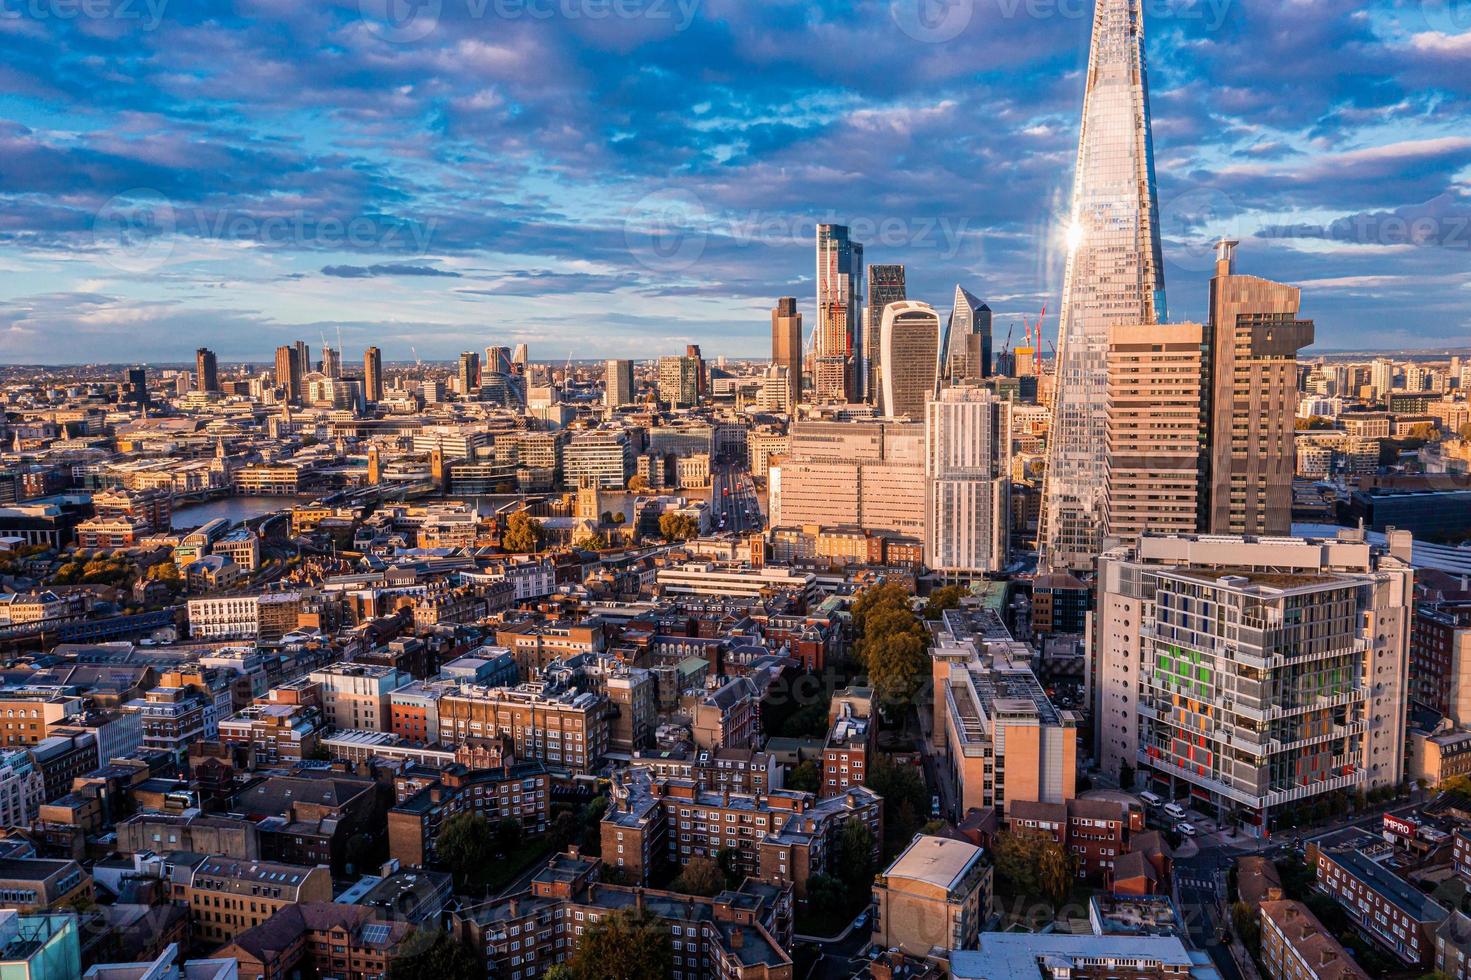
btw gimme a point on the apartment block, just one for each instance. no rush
(1395, 914)
(227, 896)
(357, 696)
(1295, 946)
(935, 895)
(566, 732)
(1252, 674)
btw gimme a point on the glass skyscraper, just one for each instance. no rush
(836, 372)
(1115, 275)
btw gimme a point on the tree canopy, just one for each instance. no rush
(524, 533)
(675, 526)
(893, 643)
(625, 943)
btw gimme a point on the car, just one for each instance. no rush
(1175, 810)
(861, 921)
(1185, 829)
(935, 805)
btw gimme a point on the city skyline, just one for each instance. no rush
(1318, 182)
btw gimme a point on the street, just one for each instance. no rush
(734, 506)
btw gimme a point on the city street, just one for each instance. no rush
(734, 506)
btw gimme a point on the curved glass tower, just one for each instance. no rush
(1115, 276)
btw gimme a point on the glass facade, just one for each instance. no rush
(1114, 276)
(839, 298)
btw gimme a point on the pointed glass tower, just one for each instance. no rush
(1115, 275)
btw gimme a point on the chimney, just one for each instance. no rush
(737, 938)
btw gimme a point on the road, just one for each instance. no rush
(734, 505)
(1200, 882)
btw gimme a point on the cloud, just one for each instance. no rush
(385, 269)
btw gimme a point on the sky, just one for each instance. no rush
(601, 178)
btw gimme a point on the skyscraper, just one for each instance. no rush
(469, 374)
(679, 381)
(206, 370)
(967, 482)
(1156, 430)
(520, 359)
(136, 390)
(786, 345)
(967, 349)
(835, 374)
(331, 362)
(909, 347)
(1114, 275)
(618, 383)
(498, 360)
(289, 371)
(885, 286)
(304, 357)
(1256, 335)
(372, 375)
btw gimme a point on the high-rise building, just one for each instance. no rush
(1254, 674)
(679, 381)
(1114, 275)
(469, 374)
(909, 348)
(498, 360)
(786, 345)
(136, 390)
(692, 352)
(885, 286)
(966, 353)
(968, 483)
(373, 375)
(206, 370)
(520, 359)
(304, 357)
(1156, 430)
(865, 474)
(289, 371)
(331, 362)
(1256, 335)
(618, 383)
(1381, 377)
(839, 298)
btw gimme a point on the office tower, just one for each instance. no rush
(521, 360)
(206, 370)
(679, 381)
(469, 374)
(692, 352)
(786, 345)
(1256, 674)
(373, 375)
(498, 360)
(885, 286)
(967, 350)
(1114, 274)
(331, 362)
(618, 383)
(1156, 430)
(866, 474)
(909, 347)
(135, 392)
(304, 357)
(289, 371)
(1255, 339)
(837, 347)
(968, 483)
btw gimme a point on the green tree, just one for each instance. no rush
(701, 876)
(805, 777)
(465, 846)
(637, 484)
(591, 541)
(854, 855)
(558, 971)
(890, 595)
(165, 571)
(675, 526)
(943, 598)
(524, 533)
(905, 799)
(1247, 926)
(428, 954)
(508, 836)
(1056, 871)
(623, 944)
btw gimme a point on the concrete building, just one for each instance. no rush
(606, 458)
(356, 696)
(679, 381)
(909, 345)
(618, 383)
(1251, 674)
(786, 347)
(1156, 430)
(865, 474)
(968, 486)
(936, 895)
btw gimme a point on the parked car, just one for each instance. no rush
(1185, 829)
(935, 806)
(1175, 810)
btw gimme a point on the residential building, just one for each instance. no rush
(227, 896)
(968, 484)
(1295, 946)
(1386, 908)
(356, 696)
(567, 732)
(618, 386)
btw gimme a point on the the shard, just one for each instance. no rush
(1115, 275)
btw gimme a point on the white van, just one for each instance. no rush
(1150, 800)
(1175, 810)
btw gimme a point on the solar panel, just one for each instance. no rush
(375, 934)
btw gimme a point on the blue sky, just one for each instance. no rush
(622, 177)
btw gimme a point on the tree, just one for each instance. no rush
(625, 943)
(943, 598)
(591, 541)
(524, 533)
(855, 861)
(1246, 925)
(508, 836)
(905, 799)
(464, 846)
(432, 955)
(1015, 857)
(164, 571)
(701, 876)
(637, 484)
(675, 526)
(805, 777)
(1056, 871)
